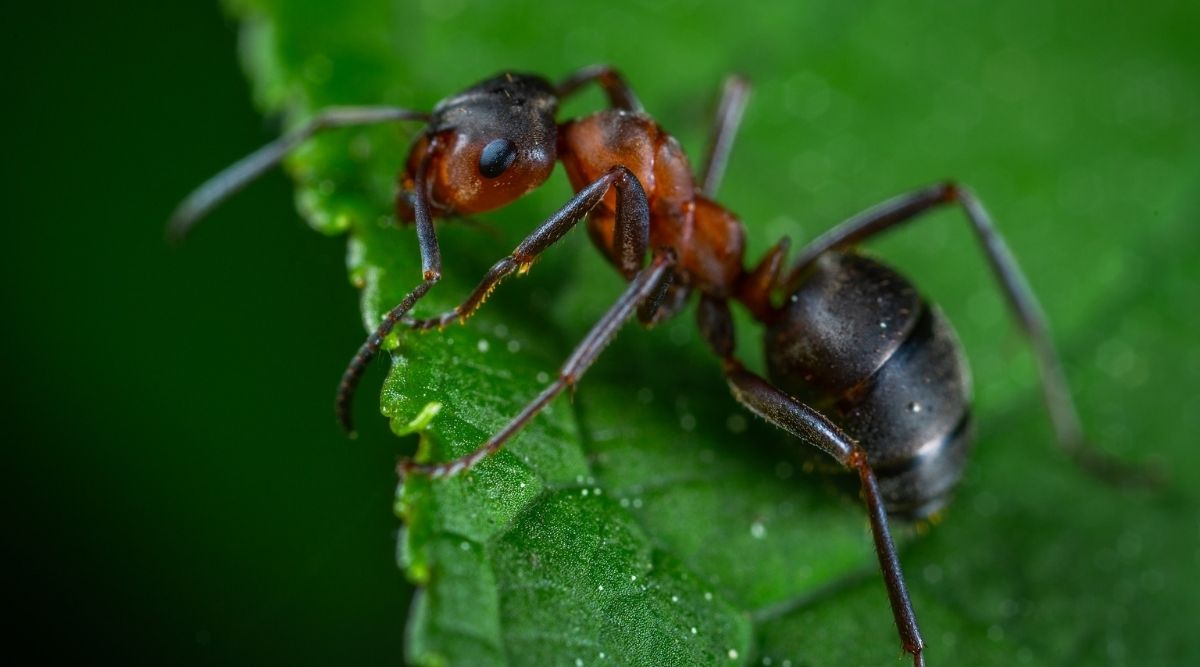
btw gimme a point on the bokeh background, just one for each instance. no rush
(180, 492)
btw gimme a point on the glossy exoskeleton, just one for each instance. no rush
(858, 342)
(860, 365)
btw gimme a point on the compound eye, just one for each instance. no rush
(497, 156)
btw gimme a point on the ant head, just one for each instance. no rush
(485, 147)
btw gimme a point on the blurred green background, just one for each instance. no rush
(185, 495)
(180, 490)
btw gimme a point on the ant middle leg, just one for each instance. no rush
(798, 419)
(735, 93)
(646, 286)
(1055, 392)
(632, 237)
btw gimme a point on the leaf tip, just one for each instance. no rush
(420, 422)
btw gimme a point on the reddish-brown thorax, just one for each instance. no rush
(709, 240)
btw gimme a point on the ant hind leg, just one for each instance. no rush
(798, 419)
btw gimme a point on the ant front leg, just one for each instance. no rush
(620, 95)
(645, 286)
(1024, 305)
(734, 96)
(632, 237)
(431, 273)
(769, 402)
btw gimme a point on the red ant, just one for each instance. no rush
(860, 364)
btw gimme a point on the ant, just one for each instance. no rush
(860, 365)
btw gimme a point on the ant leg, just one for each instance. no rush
(620, 95)
(734, 96)
(632, 237)
(646, 284)
(798, 419)
(769, 402)
(241, 173)
(1055, 392)
(754, 288)
(431, 273)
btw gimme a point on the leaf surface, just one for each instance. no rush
(650, 520)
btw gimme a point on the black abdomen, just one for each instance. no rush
(857, 342)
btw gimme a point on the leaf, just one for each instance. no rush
(649, 521)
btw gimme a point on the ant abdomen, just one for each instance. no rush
(857, 341)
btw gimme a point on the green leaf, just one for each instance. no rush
(648, 520)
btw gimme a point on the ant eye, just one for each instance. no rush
(497, 156)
